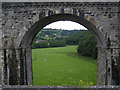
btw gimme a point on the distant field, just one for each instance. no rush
(62, 67)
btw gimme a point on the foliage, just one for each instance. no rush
(74, 38)
(60, 38)
(57, 43)
(52, 38)
(85, 84)
(88, 46)
(42, 44)
(62, 66)
(49, 43)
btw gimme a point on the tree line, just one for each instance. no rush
(87, 45)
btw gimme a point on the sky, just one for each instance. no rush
(65, 25)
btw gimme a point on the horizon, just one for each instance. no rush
(65, 29)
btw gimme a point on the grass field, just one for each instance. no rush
(62, 67)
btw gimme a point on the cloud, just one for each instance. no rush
(65, 25)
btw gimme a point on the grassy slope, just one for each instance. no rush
(62, 66)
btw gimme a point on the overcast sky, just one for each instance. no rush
(65, 25)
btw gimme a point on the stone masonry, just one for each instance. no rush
(21, 21)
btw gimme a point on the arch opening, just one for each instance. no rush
(48, 50)
(32, 32)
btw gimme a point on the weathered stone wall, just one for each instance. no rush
(0, 26)
(22, 21)
(0, 68)
(19, 17)
(0, 37)
(12, 87)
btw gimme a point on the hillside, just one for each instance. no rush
(54, 36)
(46, 34)
(87, 45)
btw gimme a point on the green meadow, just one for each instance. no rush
(63, 66)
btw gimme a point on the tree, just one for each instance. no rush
(88, 46)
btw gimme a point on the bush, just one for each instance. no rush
(42, 44)
(57, 43)
(50, 43)
(88, 46)
(74, 39)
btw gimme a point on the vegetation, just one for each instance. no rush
(74, 38)
(62, 66)
(49, 43)
(55, 38)
(57, 43)
(87, 45)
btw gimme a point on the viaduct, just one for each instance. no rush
(21, 21)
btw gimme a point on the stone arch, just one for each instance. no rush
(31, 33)
(88, 23)
(16, 34)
